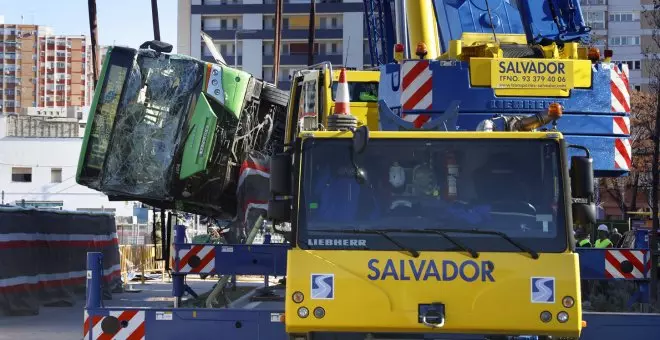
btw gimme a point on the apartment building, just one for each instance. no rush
(41, 69)
(339, 34)
(623, 27)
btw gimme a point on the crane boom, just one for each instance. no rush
(380, 30)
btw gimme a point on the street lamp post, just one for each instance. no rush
(236, 44)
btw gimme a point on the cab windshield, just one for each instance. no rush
(512, 186)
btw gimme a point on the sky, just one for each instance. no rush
(120, 22)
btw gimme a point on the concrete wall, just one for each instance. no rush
(353, 40)
(195, 27)
(42, 155)
(253, 48)
(183, 27)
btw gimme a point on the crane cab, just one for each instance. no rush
(312, 97)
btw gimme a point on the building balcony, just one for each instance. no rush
(287, 59)
(269, 8)
(301, 59)
(229, 34)
(228, 59)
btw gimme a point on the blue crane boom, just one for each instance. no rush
(379, 25)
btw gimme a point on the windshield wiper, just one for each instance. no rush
(520, 246)
(383, 233)
(473, 253)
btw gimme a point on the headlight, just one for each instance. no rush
(303, 312)
(568, 301)
(546, 316)
(562, 317)
(298, 297)
(319, 312)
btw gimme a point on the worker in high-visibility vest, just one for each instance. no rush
(603, 240)
(583, 239)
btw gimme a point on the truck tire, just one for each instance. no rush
(275, 101)
(275, 96)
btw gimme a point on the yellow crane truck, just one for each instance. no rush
(402, 233)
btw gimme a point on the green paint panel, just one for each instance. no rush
(201, 134)
(232, 89)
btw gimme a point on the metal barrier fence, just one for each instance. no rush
(140, 259)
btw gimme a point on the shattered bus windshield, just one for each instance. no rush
(138, 122)
(508, 186)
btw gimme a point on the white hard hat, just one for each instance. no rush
(603, 227)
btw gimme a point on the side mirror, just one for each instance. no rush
(360, 139)
(280, 174)
(582, 190)
(279, 210)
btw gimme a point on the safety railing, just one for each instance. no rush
(140, 259)
(619, 264)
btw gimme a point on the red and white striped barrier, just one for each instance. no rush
(620, 98)
(197, 259)
(620, 87)
(627, 264)
(622, 147)
(118, 325)
(416, 90)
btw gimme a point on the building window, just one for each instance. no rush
(624, 16)
(624, 40)
(632, 64)
(268, 48)
(301, 48)
(269, 73)
(595, 19)
(21, 175)
(637, 87)
(56, 175)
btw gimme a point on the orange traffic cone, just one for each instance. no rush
(342, 100)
